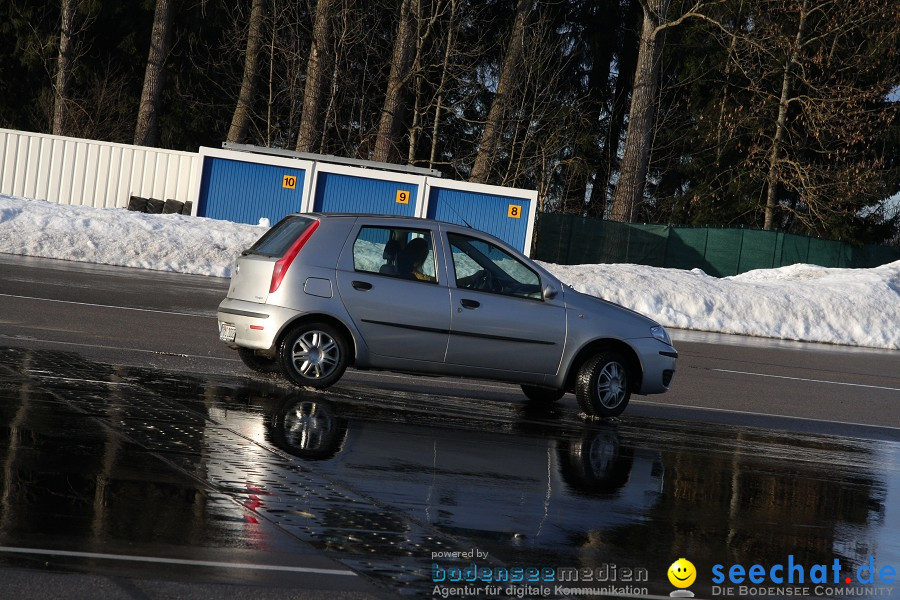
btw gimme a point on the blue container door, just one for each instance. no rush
(244, 192)
(500, 216)
(337, 193)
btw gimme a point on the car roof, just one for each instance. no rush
(330, 215)
(338, 215)
(457, 226)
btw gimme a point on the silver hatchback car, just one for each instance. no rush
(320, 292)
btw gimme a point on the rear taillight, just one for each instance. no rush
(282, 264)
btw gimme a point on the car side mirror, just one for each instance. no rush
(549, 292)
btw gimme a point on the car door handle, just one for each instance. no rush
(361, 285)
(470, 303)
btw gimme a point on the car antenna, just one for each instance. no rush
(460, 216)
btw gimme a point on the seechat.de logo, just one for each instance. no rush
(682, 574)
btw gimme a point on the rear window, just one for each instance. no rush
(276, 241)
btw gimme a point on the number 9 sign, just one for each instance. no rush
(402, 197)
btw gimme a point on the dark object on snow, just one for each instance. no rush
(187, 208)
(155, 206)
(138, 204)
(173, 207)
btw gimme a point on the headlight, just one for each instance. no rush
(660, 333)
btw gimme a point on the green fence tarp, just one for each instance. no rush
(571, 240)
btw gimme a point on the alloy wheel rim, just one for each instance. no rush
(306, 427)
(315, 355)
(601, 454)
(611, 385)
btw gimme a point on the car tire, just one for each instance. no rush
(596, 462)
(603, 386)
(260, 364)
(314, 355)
(308, 428)
(542, 395)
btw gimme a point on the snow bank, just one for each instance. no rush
(116, 236)
(859, 307)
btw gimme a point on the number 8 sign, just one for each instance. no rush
(514, 211)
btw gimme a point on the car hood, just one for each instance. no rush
(630, 322)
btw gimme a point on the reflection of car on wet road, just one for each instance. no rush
(488, 485)
(318, 293)
(308, 429)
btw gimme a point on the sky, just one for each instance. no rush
(854, 307)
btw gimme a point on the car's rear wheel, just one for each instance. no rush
(314, 354)
(260, 364)
(603, 386)
(544, 395)
(308, 428)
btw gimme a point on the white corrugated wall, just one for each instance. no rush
(91, 173)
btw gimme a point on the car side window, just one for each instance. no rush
(480, 265)
(395, 252)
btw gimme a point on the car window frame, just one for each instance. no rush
(451, 267)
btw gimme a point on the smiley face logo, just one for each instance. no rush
(682, 573)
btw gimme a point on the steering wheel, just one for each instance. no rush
(484, 280)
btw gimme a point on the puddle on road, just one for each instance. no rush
(392, 484)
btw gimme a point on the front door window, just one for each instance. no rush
(480, 265)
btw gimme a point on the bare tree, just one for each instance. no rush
(318, 70)
(237, 132)
(633, 170)
(807, 105)
(537, 150)
(390, 127)
(505, 85)
(449, 48)
(642, 112)
(625, 69)
(425, 25)
(781, 119)
(64, 66)
(146, 131)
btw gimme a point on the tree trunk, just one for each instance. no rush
(493, 125)
(317, 70)
(601, 39)
(641, 115)
(270, 103)
(146, 132)
(63, 68)
(416, 126)
(241, 118)
(781, 122)
(627, 62)
(441, 90)
(390, 127)
(445, 67)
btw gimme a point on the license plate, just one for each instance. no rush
(226, 332)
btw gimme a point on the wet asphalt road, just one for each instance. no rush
(164, 320)
(128, 435)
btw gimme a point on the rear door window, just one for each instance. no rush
(275, 242)
(395, 252)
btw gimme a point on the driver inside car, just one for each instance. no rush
(411, 259)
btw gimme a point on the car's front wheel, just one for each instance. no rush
(542, 395)
(603, 387)
(314, 354)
